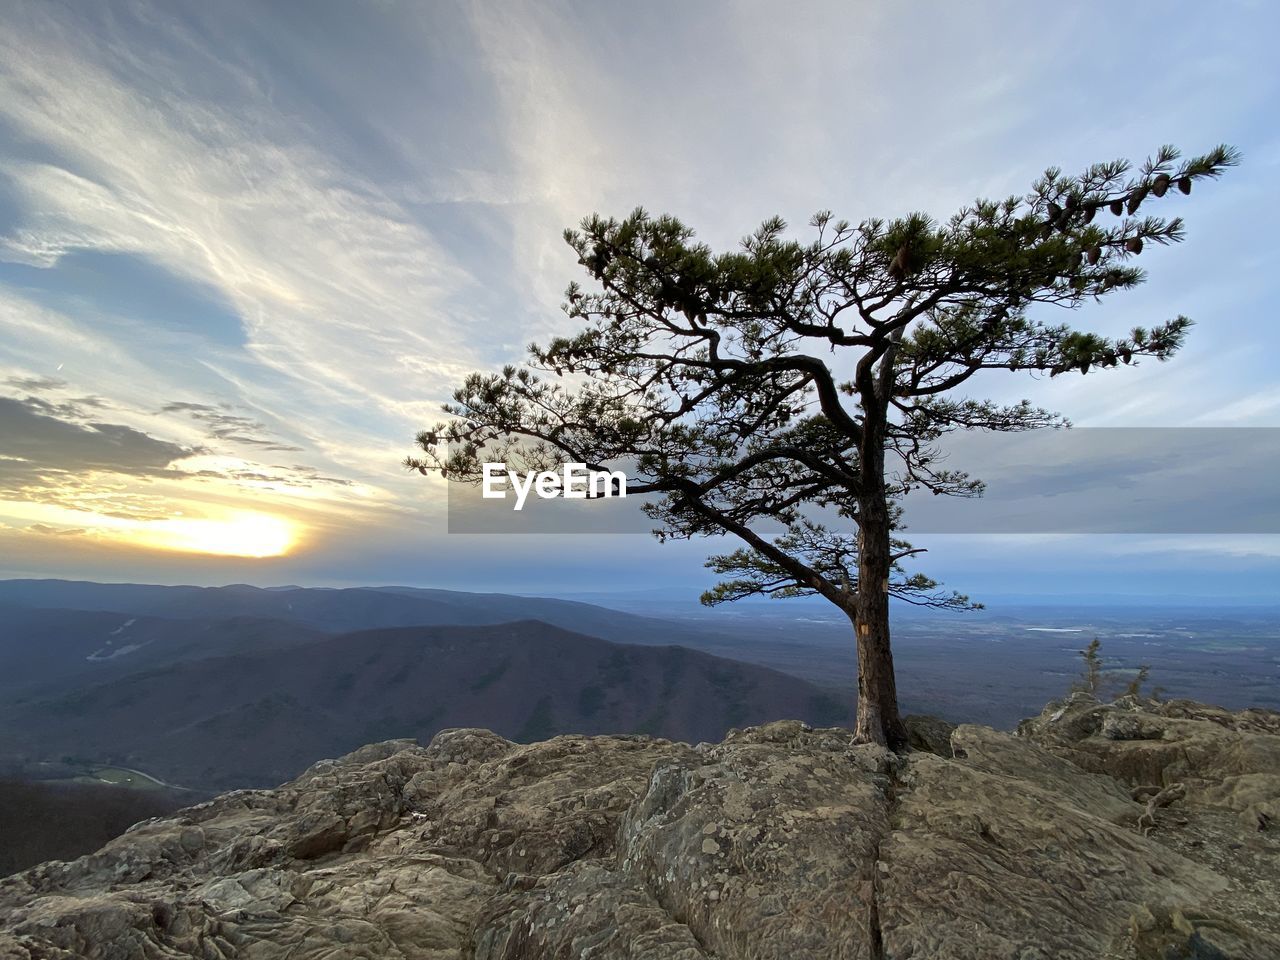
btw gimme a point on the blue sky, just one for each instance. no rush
(247, 249)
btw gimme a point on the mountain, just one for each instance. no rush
(257, 719)
(44, 650)
(56, 632)
(994, 666)
(1133, 830)
(336, 610)
(62, 821)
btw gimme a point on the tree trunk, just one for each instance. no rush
(877, 719)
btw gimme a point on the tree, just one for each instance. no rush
(1091, 676)
(1134, 687)
(747, 385)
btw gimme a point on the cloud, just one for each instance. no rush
(372, 202)
(1110, 480)
(336, 284)
(35, 384)
(37, 445)
(74, 408)
(1260, 546)
(230, 427)
(1257, 406)
(47, 530)
(296, 476)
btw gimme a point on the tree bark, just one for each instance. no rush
(877, 718)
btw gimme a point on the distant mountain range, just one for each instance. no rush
(125, 674)
(215, 688)
(332, 610)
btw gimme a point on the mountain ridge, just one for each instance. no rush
(336, 609)
(257, 719)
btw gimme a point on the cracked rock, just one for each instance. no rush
(779, 843)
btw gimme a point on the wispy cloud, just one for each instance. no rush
(367, 203)
(34, 383)
(335, 285)
(224, 425)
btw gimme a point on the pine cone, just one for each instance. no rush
(898, 268)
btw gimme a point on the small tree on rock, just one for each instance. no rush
(747, 385)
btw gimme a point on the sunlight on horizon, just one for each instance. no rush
(241, 534)
(225, 533)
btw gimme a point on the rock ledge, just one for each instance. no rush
(781, 842)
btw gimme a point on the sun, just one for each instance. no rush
(185, 527)
(242, 533)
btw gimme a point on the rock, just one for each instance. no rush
(1174, 740)
(930, 734)
(997, 753)
(1226, 767)
(1162, 933)
(585, 910)
(1225, 759)
(780, 842)
(761, 851)
(1129, 726)
(985, 864)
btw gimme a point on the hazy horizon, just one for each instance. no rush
(682, 598)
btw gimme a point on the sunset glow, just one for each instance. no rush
(216, 531)
(242, 534)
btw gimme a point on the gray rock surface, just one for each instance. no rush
(780, 842)
(1225, 767)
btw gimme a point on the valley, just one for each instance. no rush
(216, 688)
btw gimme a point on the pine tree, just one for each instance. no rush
(747, 385)
(1091, 675)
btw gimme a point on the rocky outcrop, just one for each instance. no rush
(1209, 781)
(780, 842)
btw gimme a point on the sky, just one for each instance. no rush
(248, 249)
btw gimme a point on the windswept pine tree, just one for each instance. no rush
(745, 386)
